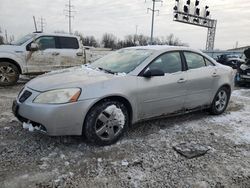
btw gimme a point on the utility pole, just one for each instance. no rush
(34, 19)
(69, 12)
(136, 29)
(6, 36)
(42, 23)
(153, 18)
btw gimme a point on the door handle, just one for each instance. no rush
(79, 53)
(55, 53)
(181, 80)
(214, 74)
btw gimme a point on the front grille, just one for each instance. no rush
(26, 94)
(247, 70)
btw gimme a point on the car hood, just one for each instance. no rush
(10, 48)
(247, 53)
(72, 77)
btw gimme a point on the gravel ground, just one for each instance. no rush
(143, 158)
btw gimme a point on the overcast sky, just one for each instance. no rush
(120, 17)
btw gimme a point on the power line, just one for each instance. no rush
(153, 17)
(69, 11)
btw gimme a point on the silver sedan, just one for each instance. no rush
(100, 100)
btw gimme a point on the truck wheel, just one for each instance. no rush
(9, 74)
(106, 122)
(220, 101)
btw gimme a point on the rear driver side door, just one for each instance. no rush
(202, 75)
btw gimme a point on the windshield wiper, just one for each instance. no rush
(106, 70)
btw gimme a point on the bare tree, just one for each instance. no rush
(143, 40)
(89, 41)
(1, 37)
(1, 40)
(170, 40)
(109, 41)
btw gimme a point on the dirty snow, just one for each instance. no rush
(119, 116)
(143, 158)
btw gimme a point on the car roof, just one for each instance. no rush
(163, 48)
(55, 34)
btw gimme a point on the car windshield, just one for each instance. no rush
(24, 39)
(122, 61)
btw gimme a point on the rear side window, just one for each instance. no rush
(68, 43)
(194, 61)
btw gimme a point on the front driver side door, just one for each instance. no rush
(162, 95)
(46, 58)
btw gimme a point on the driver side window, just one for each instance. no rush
(168, 63)
(46, 42)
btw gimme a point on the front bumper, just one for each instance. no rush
(242, 78)
(55, 120)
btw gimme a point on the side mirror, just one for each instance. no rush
(34, 46)
(153, 72)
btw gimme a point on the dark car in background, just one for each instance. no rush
(233, 61)
(243, 73)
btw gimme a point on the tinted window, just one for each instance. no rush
(208, 63)
(46, 42)
(194, 61)
(168, 63)
(68, 43)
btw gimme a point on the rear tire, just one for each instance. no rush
(9, 74)
(106, 122)
(220, 101)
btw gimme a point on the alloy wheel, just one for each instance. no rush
(221, 100)
(7, 74)
(109, 123)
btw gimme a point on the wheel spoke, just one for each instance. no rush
(2, 79)
(111, 132)
(2, 70)
(220, 95)
(9, 69)
(103, 118)
(101, 130)
(224, 96)
(217, 103)
(10, 77)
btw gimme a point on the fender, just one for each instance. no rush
(18, 60)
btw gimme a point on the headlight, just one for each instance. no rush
(244, 67)
(58, 96)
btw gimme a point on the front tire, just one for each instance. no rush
(220, 101)
(106, 122)
(9, 74)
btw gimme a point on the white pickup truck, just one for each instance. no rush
(38, 53)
